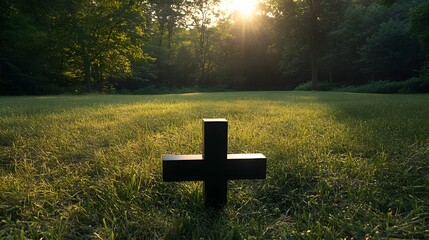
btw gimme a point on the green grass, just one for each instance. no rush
(340, 165)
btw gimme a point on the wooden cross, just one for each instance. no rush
(215, 167)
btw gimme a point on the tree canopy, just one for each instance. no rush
(121, 46)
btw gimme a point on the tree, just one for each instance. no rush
(314, 39)
(419, 28)
(252, 61)
(359, 23)
(166, 14)
(106, 37)
(419, 22)
(165, 18)
(131, 44)
(306, 25)
(92, 40)
(24, 49)
(391, 53)
(202, 16)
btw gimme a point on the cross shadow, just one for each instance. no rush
(203, 223)
(197, 222)
(191, 219)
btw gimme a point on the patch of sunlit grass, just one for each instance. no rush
(339, 166)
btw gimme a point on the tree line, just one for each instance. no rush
(112, 45)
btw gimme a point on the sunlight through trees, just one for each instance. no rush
(123, 46)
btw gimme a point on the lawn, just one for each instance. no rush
(339, 165)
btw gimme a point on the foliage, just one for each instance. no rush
(359, 24)
(424, 77)
(323, 86)
(106, 38)
(22, 51)
(419, 28)
(419, 19)
(107, 46)
(305, 26)
(413, 85)
(85, 40)
(340, 166)
(391, 52)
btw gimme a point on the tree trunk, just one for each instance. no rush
(161, 37)
(87, 73)
(314, 71)
(314, 51)
(170, 34)
(202, 54)
(2, 26)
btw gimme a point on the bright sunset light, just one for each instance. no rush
(246, 8)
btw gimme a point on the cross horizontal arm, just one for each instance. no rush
(183, 168)
(194, 168)
(246, 166)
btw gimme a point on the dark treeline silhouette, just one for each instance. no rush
(63, 46)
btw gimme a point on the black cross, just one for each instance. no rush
(214, 166)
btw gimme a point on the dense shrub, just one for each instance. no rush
(412, 85)
(323, 86)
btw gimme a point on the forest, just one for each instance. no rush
(132, 46)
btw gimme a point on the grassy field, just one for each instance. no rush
(339, 166)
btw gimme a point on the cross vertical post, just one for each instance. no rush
(215, 140)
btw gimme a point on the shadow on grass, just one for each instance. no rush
(383, 174)
(371, 181)
(198, 222)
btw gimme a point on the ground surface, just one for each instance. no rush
(339, 166)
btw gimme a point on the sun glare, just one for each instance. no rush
(246, 8)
